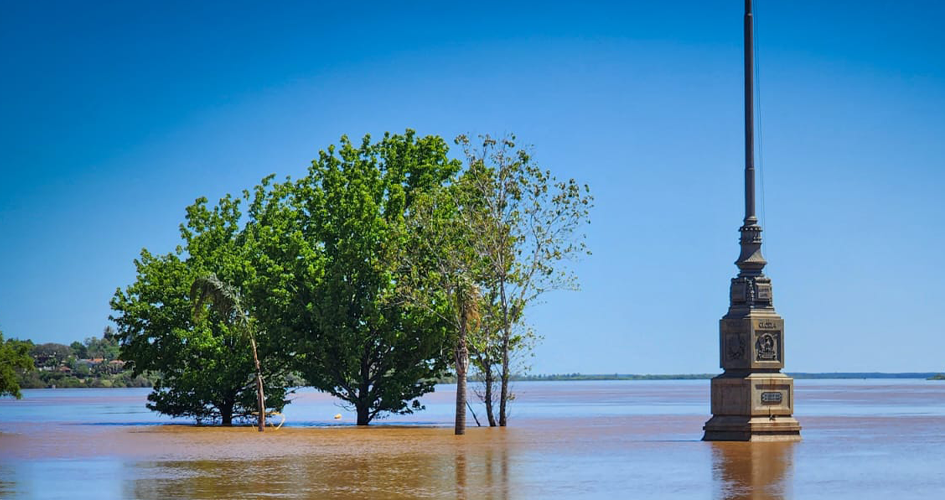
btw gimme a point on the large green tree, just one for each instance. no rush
(333, 244)
(14, 356)
(205, 361)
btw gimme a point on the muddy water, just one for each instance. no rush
(862, 439)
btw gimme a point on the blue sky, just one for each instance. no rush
(115, 116)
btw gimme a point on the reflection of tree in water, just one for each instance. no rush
(7, 481)
(495, 483)
(752, 471)
(460, 471)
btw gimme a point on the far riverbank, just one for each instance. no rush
(707, 376)
(591, 377)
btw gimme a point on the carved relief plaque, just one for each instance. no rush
(767, 345)
(735, 346)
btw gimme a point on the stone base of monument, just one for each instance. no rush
(752, 407)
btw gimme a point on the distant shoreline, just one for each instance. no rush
(577, 377)
(706, 376)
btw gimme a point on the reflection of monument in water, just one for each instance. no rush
(756, 472)
(752, 400)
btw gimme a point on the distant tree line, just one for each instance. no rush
(92, 363)
(387, 266)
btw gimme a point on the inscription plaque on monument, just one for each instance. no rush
(771, 398)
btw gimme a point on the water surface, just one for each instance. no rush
(619, 439)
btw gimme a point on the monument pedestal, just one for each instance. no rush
(752, 400)
(752, 407)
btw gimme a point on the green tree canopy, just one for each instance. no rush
(442, 272)
(333, 243)
(79, 350)
(205, 364)
(14, 355)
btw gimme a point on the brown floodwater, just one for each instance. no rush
(862, 439)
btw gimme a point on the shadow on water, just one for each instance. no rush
(752, 471)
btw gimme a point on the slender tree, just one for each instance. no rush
(442, 267)
(529, 227)
(228, 303)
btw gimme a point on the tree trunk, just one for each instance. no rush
(260, 397)
(504, 386)
(506, 339)
(363, 414)
(226, 413)
(490, 382)
(362, 403)
(462, 364)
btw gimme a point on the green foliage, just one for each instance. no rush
(50, 355)
(206, 370)
(79, 350)
(367, 276)
(442, 272)
(527, 227)
(14, 357)
(225, 299)
(70, 366)
(106, 347)
(333, 244)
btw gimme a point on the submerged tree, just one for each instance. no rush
(332, 244)
(528, 227)
(14, 356)
(441, 270)
(205, 371)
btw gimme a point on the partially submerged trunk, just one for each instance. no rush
(364, 414)
(462, 365)
(260, 397)
(489, 396)
(506, 340)
(226, 412)
(504, 386)
(361, 403)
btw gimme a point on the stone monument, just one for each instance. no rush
(752, 400)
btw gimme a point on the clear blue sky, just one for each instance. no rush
(115, 116)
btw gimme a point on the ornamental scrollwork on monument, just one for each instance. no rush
(753, 292)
